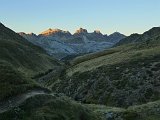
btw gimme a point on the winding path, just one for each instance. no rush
(16, 101)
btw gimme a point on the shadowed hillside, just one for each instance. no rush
(19, 61)
(50, 107)
(122, 76)
(23, 55)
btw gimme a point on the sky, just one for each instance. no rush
(108, 16)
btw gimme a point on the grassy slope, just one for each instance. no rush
(13, 82)
(110, 57)
(137, 38)
(45, 107)
(147, 40)
(59, 108)
(122, 76)
(23, 55)
(19, 61)
(115, 55)
(62, 108)
(149, 111)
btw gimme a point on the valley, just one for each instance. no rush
(57, 75)
(60, 44)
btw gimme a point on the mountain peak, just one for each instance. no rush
(97, 31)
(50, 31)
(152, 32)
(53, 32)
(32, 34)
(81, 31)
(23, 34)
(116, 37)
(116, 33)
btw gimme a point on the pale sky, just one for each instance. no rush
(108, 16)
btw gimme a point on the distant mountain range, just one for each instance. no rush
(61, 43)
(147, 36)
(125, 75)
(120, 83)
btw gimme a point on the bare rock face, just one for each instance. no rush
(61, 43)
(55, 32)
(50, 31)
(97, 32)
(115, 37)
(81, 31)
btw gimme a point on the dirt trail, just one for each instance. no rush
(16, 101)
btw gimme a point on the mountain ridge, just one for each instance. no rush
(122, 76)
(137, 38)
(20, 60)
(61, 43)
(126, 76)
(80, 30)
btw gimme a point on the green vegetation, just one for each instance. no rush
(139, 38)
(91, 56)
(24, 56)
(19, 61)
(146, 110)
(126, 79)
(145, 44)
(47, 107)
(119, 54)
(122, 76)
(149, 111)
(13, 82)
(42, 74)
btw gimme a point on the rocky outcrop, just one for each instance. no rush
(122, 85)
(61, 43)
(81, 31)
(56, 32)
